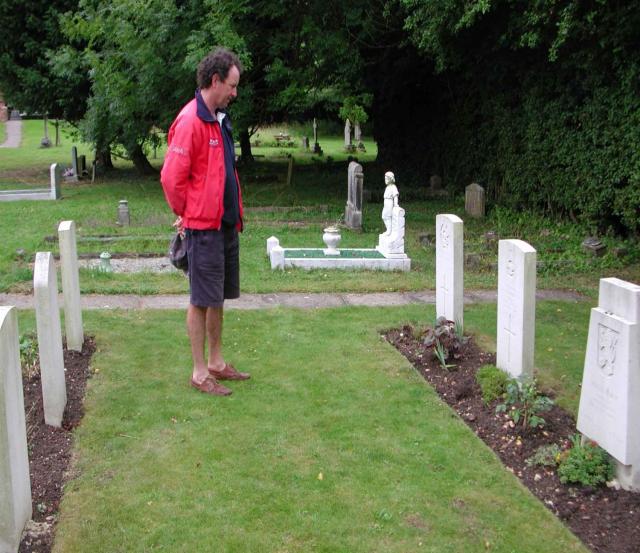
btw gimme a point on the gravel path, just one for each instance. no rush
(14, 135)
(266, 301)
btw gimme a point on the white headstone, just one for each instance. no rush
(45, 288)
(70, 285)
(277, 257)
(516, 308)
(347, 133)
(450, 268)
(15, 484)
(55, 174)
(272, 242)
(609, 410)
(353, 209)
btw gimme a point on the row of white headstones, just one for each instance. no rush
(15, 483)
(610, 395)
(609, 411)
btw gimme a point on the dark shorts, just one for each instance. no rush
(214, 266)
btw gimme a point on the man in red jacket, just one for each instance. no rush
(201, 185)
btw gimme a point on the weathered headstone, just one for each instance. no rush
(15, 484)
(45, 289)
(304, 142)
(70, 285)
(55, 174)
(124, 217)
(435, 183)
(450, 268)
(82, 165)
(516, 308)
(316, 147)
(474, 200)
(74, 164)
(609, 399)
(353, 209)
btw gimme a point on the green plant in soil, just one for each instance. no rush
(524, 404)
(585, 463)
(445, 342)
(545, 456)
(492, 381)
(29, 357)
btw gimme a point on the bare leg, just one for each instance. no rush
(215, 317)
(196, 322)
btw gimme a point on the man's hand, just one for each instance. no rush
(178, 226)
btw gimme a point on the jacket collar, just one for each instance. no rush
(203, 112)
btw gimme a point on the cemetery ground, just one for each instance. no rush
(336, 444)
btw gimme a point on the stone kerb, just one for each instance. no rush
(45, 288)
(450, 268)
(70, 285)
(15, 483)
(353, 209)
(609, 408)
(516, 308)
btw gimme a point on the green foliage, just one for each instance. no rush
(29, 356)
(545, 456)
(492, 381)
(524, 404)
(351, 109)
(585, 463)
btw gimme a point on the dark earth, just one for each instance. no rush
(605, 519)
(50, 448)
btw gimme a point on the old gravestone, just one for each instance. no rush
(516, 308)
(474, 200)
(70, 285)
(449, 267)
(353, 209)
(609, 399)
(55, 175)
(74, 164)
(45, 289)
(15, 484)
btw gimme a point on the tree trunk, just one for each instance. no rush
(141, 162)
(245, 147)
(103, 158)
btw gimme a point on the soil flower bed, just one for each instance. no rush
(605, 519)
(50, 448)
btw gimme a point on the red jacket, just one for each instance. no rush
(193, 175)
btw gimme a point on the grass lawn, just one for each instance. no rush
(335, 445)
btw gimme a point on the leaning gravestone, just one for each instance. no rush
(55, 174)
(474, 200)
(15, 484)
(609, 410)
(516, 308)
(70, 285)
(449, 268)
(45, 288)
(353, 209)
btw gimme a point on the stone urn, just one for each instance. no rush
(331, 238)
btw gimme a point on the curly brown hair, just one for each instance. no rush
(219, 61)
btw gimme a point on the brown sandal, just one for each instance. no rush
(210, 386)
(229, 373)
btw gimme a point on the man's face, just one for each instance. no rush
(225, 91)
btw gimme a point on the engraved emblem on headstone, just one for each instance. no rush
(607, 344)
(510, 266)
(444, 234)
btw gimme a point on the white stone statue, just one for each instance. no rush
(347, 133)
(391, 242)
(390, 201)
